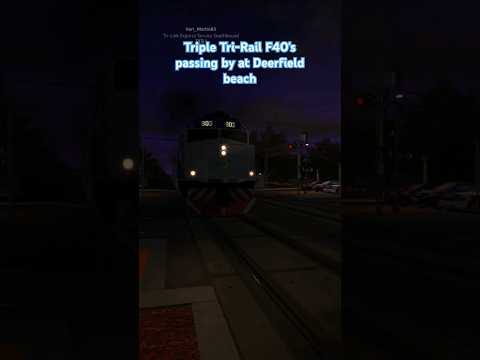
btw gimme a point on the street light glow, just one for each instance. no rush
(128, 164)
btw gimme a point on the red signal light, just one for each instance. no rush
(290, 146)
(360, 101)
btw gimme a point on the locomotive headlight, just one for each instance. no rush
(251, 173)
(223, 150)
(193, 173)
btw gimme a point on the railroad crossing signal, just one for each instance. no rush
(299, 144)
(367, 100)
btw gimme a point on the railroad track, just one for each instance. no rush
(327, 259)
(436, 266)
(321, 344)
(319, 212)
(428, 267)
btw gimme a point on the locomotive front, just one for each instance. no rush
(216, 166)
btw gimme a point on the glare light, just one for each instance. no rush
(307, 144)
(193, 173)
(251, 173)
(223, 147)
(223, 152)
(128, 164)
(399, 96)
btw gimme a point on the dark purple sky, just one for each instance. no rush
(291, 100)
(51, 52)
(428, 41)
(62, 42)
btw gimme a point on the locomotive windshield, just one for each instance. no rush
(236, 135)
(202, 134)
(208, 134)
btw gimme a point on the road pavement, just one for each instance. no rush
(412, 277)
(195, 259)
(409, 277)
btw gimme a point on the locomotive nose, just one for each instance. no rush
(223, 197)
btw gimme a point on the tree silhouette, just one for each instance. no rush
(281, 167)
(155, 176)
(324, 157)
(40, 173)
(443, 128)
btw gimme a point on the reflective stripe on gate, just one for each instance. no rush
(242, 194)
(234, 195)
(198, 195)
(203, 201)
(210, 194)
(201, 197)
(250, 205)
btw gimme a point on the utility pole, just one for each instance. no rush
(340, 173)
(477, 164)
(10, 160)
(265, 166)
(396, 82)
(389, 117)
(386, 104)
(380, 161)
(425, 169)
(88, 166)
(142, 169)
(299, 163)
(300, 145)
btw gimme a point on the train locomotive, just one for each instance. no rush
(216, 166)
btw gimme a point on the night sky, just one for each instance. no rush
(51, 52)
(290, 100)
(428, 41)
(51, 48)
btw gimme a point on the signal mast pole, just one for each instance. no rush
(381, 119)
(11, 166)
